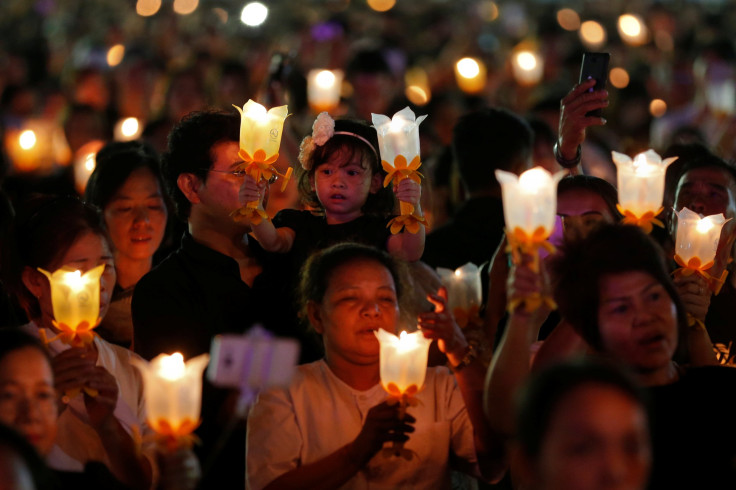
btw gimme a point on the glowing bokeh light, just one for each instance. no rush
(619, 77)
(254, 14)
(488, 11)
(115, 55)
(416, 95)
(592, 33)
(632, 30)
(27, 139)
(568, 19)
(468, 68)
(185, 7)
(381, 5)
(147, 8)
(657, 107)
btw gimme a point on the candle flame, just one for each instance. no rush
(642, 165)
(704, 226)
(172, 367)
(27, 139)
(325, 79)
(257, 112)
(533, 180)
(74, 280)
(468, 68)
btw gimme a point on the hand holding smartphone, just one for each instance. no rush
(595, 66)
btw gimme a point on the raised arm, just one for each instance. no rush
(574, 121)
(272, 239)
(510, 365)
(406, 245)
(469, 373)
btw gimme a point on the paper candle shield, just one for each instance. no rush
(530, 200)
(403, 361)
(697, 237)
(464, 291)
(261, 129)
(398, 135)
(641, 182)
(173, 392)
(75, 296)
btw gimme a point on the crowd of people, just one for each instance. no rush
(625, 384)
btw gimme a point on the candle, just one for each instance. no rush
(530, 201)
(464, 294)
(323, 89)
(261, 129)
(470, 75)
(173, 394)
(403, 362)
(697, 237)
(398, 143)
(260, 139)
(641, 186)
(75, 297)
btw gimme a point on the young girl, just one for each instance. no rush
(341, 178)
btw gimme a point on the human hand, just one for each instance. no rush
(573, 120)
(250, 190)
(441, 325)
(76, 369)
(408, 191)
(179, 470)
(695, 295)
(382, 424)
(524, 283)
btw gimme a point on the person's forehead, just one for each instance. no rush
(225, 154)
(709, 176)
(580, 201)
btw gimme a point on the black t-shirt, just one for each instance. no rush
(694, 430)
(312, 233)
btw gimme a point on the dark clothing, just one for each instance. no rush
(95, 475)
(197, 293)
(472, 235)
(720, 321)
(693, 430)
(312, 233)
(193, 295)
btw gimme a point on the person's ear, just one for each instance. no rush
(34, 281)
(315, 316)
(189, 186)
(311, 182)
(376, 182)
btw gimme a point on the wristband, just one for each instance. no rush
(471, 355)
(567, 163)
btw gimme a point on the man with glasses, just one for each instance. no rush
(218, 281)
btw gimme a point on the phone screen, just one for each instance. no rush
(595, 66)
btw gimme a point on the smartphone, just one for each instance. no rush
(595, 66)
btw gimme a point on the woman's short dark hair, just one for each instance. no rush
(351, 136)
(46, 228)
(546, 389)
(595, 185)
(317, 270)
(13, 339)
(610, 249)
(114, 164)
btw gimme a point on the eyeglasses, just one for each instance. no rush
(240, 174)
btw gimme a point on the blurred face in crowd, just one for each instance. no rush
(581, 212)
(360, 298)
(637, 320)
(707, 191)
(27, 397)
(136, 216)
(597, 438)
